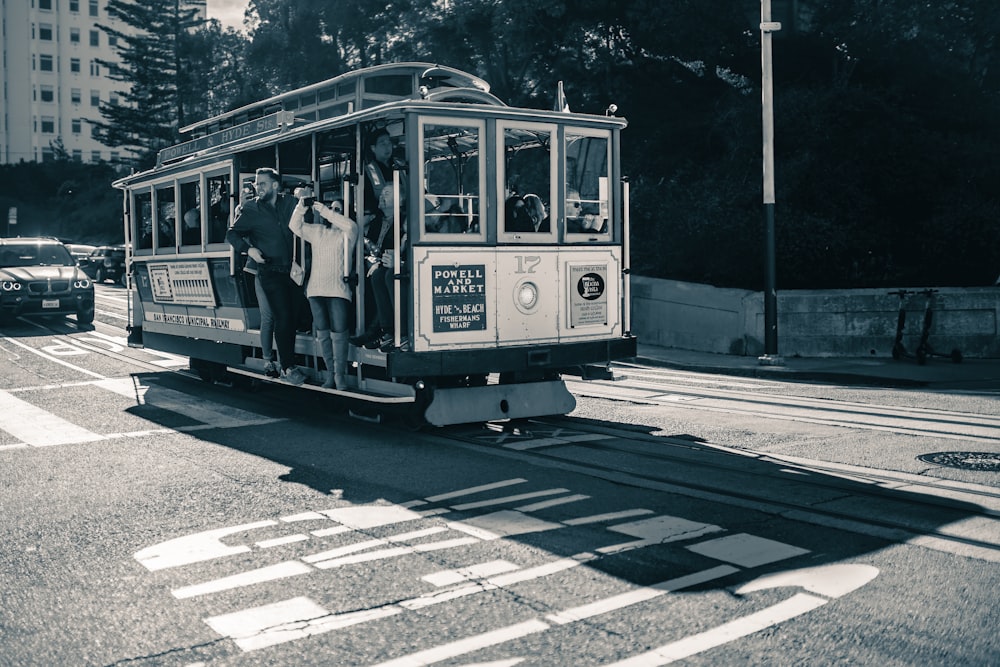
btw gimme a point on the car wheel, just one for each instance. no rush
(85, 316)
(123, 280)
(99, 275)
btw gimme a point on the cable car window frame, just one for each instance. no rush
(174, 180)
(589, 235)
(555, 150)
(482, 196)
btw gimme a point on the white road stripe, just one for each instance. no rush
(474, 489)
(746, 550)
(286, 621)
(563, 440)
(616, 602)
(468, 645)
(52, 358)
(551, 503)
(609, 516)
(573, 614)
(507, 499)
(37, 427)
(795, 606)
(478, 571)
(270, 573)
(215, 415)
(279, 541)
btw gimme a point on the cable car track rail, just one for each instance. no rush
(896, 419)
(870, 497)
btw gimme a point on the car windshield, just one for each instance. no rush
(34, 254)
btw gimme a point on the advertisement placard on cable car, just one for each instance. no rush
(459, 297)
(588, 294)
(182, 283)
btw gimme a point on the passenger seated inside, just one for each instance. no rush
(580, 219)
(516, 216)
(535, 209)
(444, 215)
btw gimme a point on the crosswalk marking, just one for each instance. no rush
(215, 415)
(746, 550)
(38, 427)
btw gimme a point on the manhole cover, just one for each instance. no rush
(963, 460)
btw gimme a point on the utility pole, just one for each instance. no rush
(767, 26)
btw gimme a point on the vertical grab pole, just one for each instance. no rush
(767, 27)
(397, 244)
(626, 263)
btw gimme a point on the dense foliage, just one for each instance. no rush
(886, 114)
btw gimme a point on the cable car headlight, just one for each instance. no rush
(10, 286)
(526, 296)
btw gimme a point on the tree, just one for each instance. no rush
(152, 105)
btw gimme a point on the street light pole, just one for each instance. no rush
(767, 26)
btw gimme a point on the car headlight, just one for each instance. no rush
(526, 296)
(83, 283)
(10, 286)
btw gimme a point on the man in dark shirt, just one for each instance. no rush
(261, 231)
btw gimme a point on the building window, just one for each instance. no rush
(95, 156)
(74, 6)
(115, 156)
(45, 4)
(95, 69)
(74, 35)
(47, 94)
(48, 125)
(95, 38)
(77, 125)
(75, 96)
(77, 155)
(112, 40)
(45, 32)
(95, 98)
(95, 133)
(48, 155)
(113, 98)
(46, 63)
(93, 12)
(74, 65)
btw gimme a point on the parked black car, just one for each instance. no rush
(105, 263)
(38, 276)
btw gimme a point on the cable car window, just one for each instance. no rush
(453, 177)
(143, 215)
(587, 176)
(528, 173)
(220, 205)
(191, 220)
(166, 218)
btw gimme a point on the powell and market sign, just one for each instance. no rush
(253, 128)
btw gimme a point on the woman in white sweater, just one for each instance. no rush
(332, 236)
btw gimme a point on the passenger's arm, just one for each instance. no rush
(338, 220)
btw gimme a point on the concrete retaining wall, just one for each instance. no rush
(811, 323)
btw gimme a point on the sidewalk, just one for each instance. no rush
(882, 371)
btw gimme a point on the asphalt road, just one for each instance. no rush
(153, 519)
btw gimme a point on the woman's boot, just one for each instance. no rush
(326, 347)
(339, 344)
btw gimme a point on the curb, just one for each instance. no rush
(785, 373)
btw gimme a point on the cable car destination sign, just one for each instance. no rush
(252, 128)
(459, 297)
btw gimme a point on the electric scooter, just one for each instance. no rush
(924, 349)
(898, 349)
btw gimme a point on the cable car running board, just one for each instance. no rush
(350, 393)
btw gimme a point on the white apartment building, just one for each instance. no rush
(51, 85)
